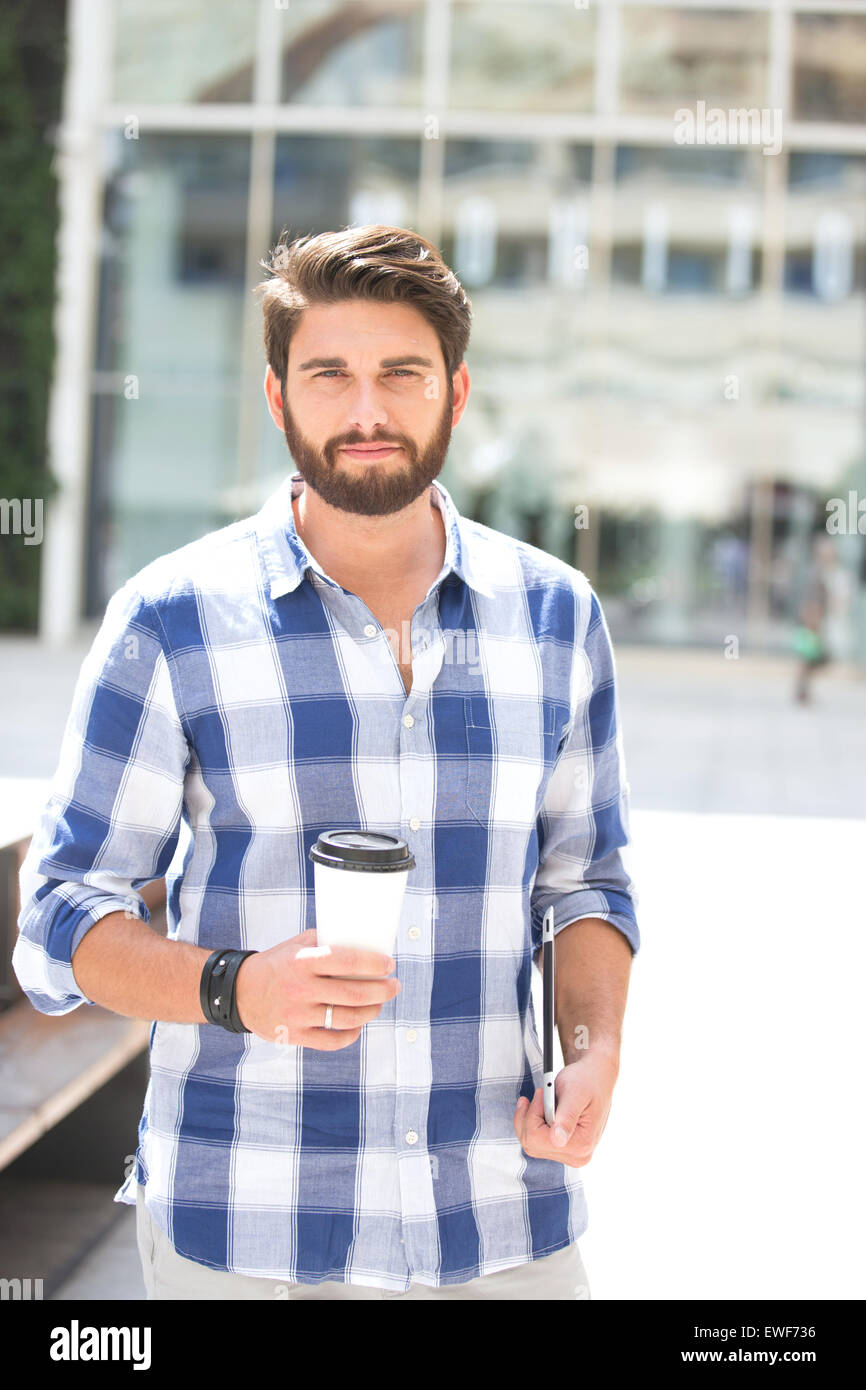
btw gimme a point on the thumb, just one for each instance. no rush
(565, 1118)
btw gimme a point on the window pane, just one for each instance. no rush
(521, 57)
(670, 440)
(825, 280)
(183, 50)
(826, 226)
(515, 225)
(324, 181)
(355, 54)
(829, 80)
(687, 220)
(510, 207)
(687, 165)
(168, 343)
(818, 394)
(672, 58)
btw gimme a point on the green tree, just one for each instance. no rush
(32, 59)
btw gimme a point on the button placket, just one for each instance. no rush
(417, 797)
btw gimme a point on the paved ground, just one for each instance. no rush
(703, 733)
(70, 1235)
(731, 1163)
(112, 1269)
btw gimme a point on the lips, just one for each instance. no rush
(370, 452)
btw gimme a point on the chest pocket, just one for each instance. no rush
(507, 758)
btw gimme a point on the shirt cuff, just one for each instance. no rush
(610, 905)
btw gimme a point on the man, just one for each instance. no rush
(810, 640)
(356, 654)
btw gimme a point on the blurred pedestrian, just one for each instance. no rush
(810, 641)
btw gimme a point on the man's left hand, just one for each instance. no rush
(583, 1092)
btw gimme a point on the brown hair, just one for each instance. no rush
(370, 262)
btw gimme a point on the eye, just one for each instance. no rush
(395, 371)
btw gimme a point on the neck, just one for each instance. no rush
(372, 553)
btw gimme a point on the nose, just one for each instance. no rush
(367, 412)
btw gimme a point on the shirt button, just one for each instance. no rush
(414, 933)
(369, 630)
(411, 1035)
(414, 823)
(408, 720)
(411, 1137)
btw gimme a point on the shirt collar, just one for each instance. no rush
(287, 558)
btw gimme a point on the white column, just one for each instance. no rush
(437, 38)
(252, 406)
(78, 168)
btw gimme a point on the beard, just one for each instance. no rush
(376, 488)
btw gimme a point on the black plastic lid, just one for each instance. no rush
(362, 849)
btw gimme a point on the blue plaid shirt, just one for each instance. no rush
(237, 701)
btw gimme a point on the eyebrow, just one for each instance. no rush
(385, 362)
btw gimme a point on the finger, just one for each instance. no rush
(520, 1113)
(519, 1116)
(564, 1124)
(346, 960)
(542, 1132)
(567, 1116)
(329, 1039)
(324, 989)
(536, 1136)
(535, 1114)
(533, 1117)
(343, 1016)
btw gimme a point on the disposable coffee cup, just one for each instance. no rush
(359, 880)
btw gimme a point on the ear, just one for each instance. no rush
(273, 396)
(460, 385)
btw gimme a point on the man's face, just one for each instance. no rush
(369, 375)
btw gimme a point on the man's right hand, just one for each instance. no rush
(282, 993)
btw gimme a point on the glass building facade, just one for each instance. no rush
(668, 354)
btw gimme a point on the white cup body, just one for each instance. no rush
(355, 907)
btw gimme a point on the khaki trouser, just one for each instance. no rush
(170, 1275)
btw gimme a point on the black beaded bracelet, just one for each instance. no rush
(217, 989)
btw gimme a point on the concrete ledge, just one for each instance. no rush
(50, 1063)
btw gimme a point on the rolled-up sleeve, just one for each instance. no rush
(583, 824)
(112, 819)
